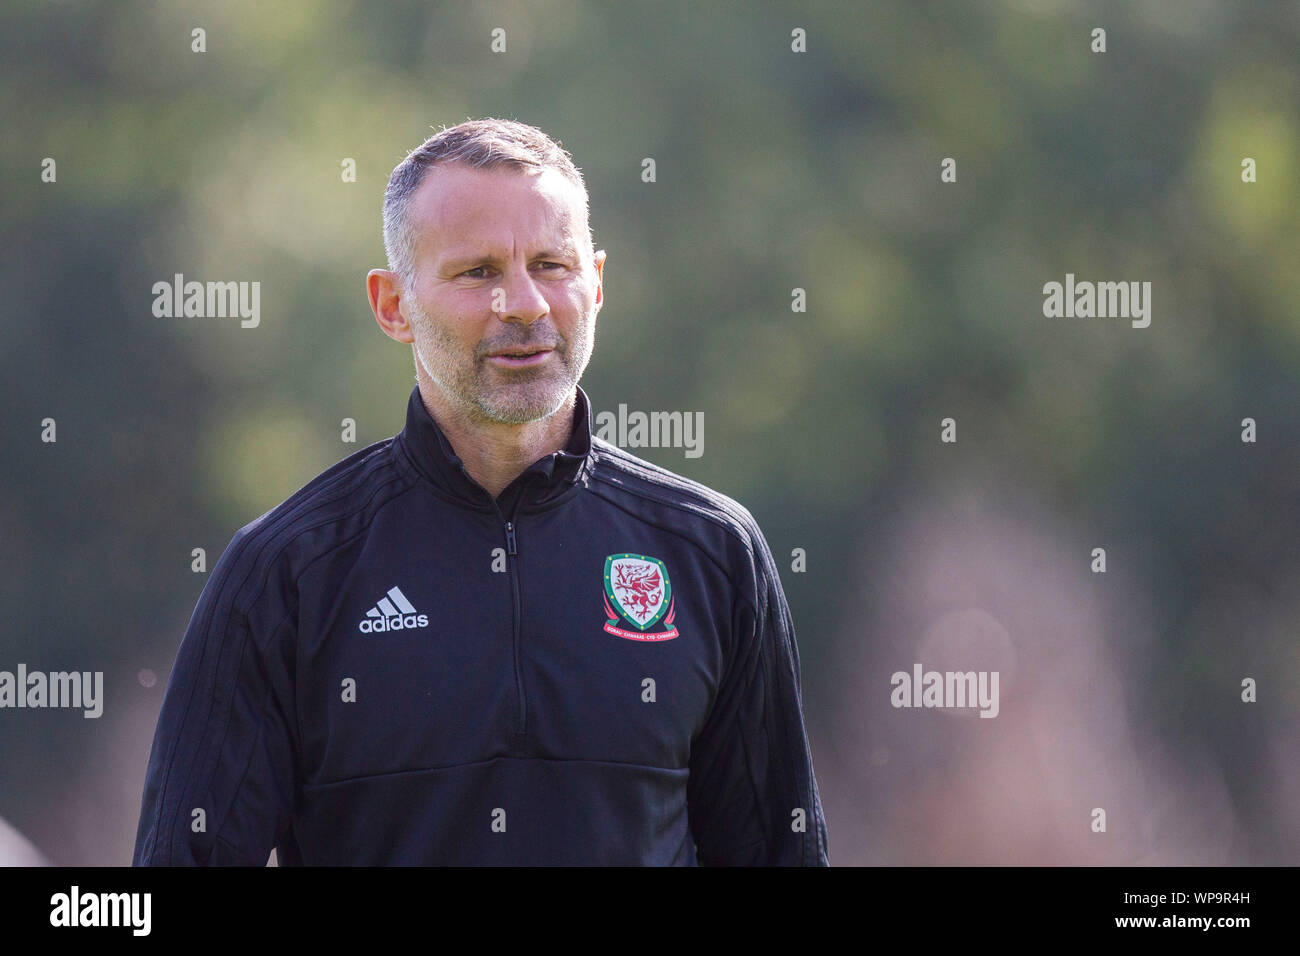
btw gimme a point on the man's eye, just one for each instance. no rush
(469, 273)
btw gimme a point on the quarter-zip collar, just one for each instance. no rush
(539, 485)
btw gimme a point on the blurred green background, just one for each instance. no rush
(776, 170)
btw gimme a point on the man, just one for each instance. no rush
(493, 638)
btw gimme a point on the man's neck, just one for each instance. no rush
(494, 455)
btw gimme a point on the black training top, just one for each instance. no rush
(391, 667)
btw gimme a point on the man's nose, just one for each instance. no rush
(522, 299)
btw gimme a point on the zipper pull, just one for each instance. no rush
(511, 548)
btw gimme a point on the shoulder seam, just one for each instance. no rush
(662, 477)
(264, 539)
(332, 519)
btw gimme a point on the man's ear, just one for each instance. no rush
(385, 291)
(600, 278)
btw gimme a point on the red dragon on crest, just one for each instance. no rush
(640, 588)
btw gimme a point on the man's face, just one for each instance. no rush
(503, 264)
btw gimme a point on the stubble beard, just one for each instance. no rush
(476, 387)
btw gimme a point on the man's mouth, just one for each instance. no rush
(520, 358)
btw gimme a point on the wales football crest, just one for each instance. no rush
(638, 591)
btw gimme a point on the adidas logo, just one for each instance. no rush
(393, 613)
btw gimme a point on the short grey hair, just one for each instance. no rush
(482, 144)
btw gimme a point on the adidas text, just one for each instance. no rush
(396, 623)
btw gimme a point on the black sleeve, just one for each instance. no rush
(752, 794)
(221, 778)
